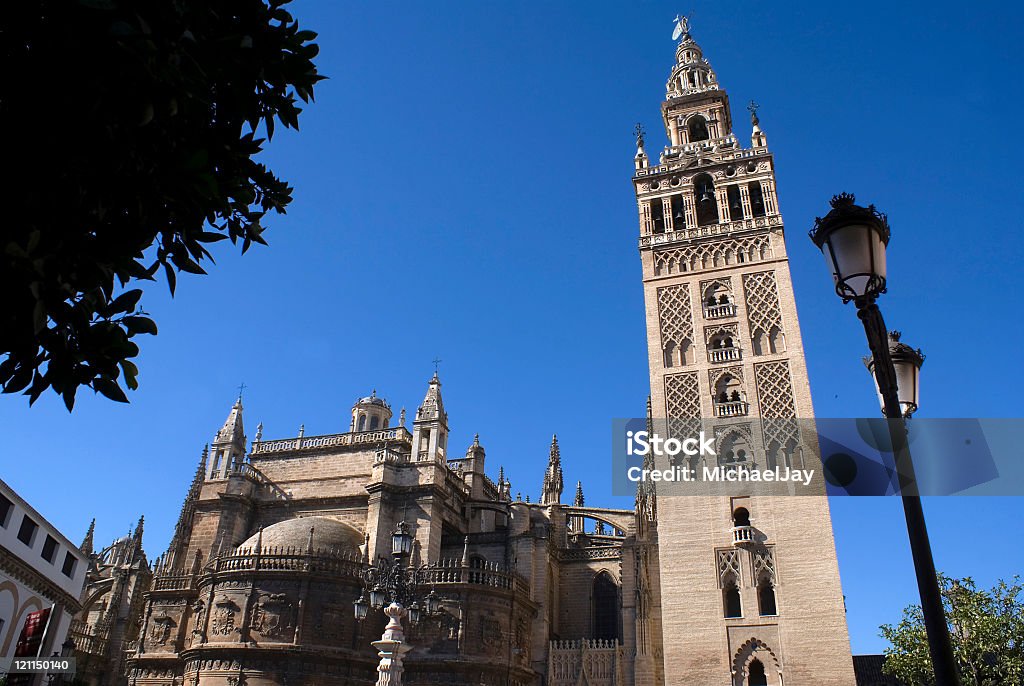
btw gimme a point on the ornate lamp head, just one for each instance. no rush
(853, 240)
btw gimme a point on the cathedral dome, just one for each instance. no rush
(294, 533)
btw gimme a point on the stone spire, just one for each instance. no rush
(757, 137)
(646, 502)
(432, 406)
(137, 536)
(640, 159)
(551, 491)
(174, 557)
(232, 433)
(578, 501)
(504, 486)
(87, 542)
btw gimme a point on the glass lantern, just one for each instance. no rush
(853, 240)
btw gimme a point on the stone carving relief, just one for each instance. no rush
(273, 617)
(728, 566)
(162, 629)
(224, 617)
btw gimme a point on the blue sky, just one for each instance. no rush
(463, 192)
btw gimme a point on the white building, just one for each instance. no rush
(42, 572)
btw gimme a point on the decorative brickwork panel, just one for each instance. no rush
(682, 404)
(763, 562)
(682, 396)
(775, 390)
(728, 566)
(762, 297)
(675, 314)
(778, 409)
(723, 253)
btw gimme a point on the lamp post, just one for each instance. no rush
(853, 240)
(396, 588)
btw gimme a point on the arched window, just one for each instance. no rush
(704, 198)
(766, 598)
(735, 206)
(756, 675)
(678, 215)
(670, 354)
(756, 198)
(686, 352)
(657, 216)
(362, 423)
(741, 517)
(374, 422)
(606, 607)
(731, 600)
(697, 128)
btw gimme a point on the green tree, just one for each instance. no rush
(130, 136)
(986, 627)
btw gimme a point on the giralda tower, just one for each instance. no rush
(750, 590)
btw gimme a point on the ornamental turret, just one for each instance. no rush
(551, 490)
(228, 446)
(430, 427)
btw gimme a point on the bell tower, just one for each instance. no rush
(750, 589)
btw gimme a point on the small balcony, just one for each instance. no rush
(724, 354)
(720, 311)
(736, 408)
(742, 535)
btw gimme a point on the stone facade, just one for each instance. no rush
(749, 585)
(257, 586)
(107, 626)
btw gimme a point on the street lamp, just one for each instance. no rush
(853, 240)
(396, 587)
(907, 363)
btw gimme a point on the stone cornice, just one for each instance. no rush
(19, 570)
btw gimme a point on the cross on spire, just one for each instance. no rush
(241, 388)
(752, 108)
(437, 361)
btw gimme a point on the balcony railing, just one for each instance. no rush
(488, 574)
(87, 638)
(719, 311)
(742, 535)
(399, 433)
(724, 354)
(735, 408)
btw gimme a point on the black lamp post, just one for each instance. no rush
(395, 581)
(853, 240)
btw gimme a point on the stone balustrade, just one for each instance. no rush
(742, 535)
(398, 433)
(736, 408)
(723, 354)
(719, 311)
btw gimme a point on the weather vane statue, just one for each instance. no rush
(682, 26)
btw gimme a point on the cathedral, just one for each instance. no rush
(265, 580)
